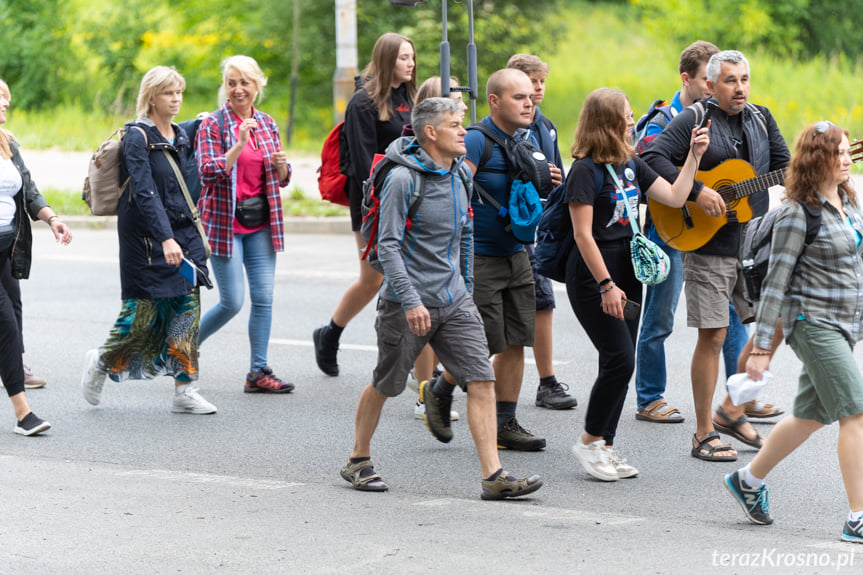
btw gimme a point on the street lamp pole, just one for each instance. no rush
(346, 56)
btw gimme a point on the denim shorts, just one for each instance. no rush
(541, 284)
(456, 336)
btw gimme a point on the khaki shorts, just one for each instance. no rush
(505, 296)
(830, 385)
(710, 283)
(456, 335)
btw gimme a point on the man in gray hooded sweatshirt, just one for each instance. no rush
(426, 297)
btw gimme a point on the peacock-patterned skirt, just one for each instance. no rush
(154, 337)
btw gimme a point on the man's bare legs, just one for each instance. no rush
(703, 372)
(483, 424)
(508, 371)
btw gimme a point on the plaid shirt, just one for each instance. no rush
(219, 195)
(823, 282)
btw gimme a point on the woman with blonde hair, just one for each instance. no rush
(242, 167)
(815, 289)
(600, 280)
(19, 201)
(374, 117)
(156, 332)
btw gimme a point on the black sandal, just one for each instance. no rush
(732, 428)
(712, 450)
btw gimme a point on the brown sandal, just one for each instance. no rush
(756, 409)
(655, 413)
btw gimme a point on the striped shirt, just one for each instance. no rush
(219, 193)
(822, 282)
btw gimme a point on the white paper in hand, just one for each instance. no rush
(742, 389)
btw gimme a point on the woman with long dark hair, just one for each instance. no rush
(599, 275)
(375, 116)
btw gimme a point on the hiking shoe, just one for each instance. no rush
(624, 469)
(31, 425)
(420, 411)
(93, 378)
(190, 401)
(437, 412)
(514, 436)
(31, 380)
(265, 381)
(852, 531)
(325, 353)
(755, 502)
(508, 485)
(555, 396)
(595, 459)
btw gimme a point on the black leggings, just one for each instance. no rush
(11, 366)
(614, 339)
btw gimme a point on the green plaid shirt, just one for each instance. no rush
(822, 282)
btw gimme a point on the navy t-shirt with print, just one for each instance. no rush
(610, 220)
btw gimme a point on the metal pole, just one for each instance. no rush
(295, 65)
(471, 63)
(346, 56)
(444, 56)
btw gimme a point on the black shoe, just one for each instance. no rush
(31, 425)
(514, 436)
(325, 354)
(755, 502)
(555, 396)
(437, 415)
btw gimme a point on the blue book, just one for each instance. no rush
(189, 272)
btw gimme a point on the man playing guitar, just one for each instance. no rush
(712, 273)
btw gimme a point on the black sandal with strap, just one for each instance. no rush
(712, 450)
(353, 474)
(732, 428)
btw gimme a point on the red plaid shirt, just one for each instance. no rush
(219, 194)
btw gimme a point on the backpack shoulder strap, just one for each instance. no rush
(548, 125)
(813, 222)
(756, 111)
(490, 139)
(143, 133)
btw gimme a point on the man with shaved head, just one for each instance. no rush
(504, 292)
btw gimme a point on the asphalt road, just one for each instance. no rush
(129, 487)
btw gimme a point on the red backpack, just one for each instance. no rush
(331, 181)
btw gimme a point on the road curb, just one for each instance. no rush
(292, 225)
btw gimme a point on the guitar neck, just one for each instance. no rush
(748, 187)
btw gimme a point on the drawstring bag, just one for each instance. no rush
(525, 210)
(649, 261)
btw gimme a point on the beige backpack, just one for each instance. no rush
(102, 188)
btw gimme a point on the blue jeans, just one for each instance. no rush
(254, 252)
(657, 322)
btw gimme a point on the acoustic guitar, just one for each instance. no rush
(689, 227)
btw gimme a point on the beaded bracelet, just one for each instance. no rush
(602, 291)
(759, 353)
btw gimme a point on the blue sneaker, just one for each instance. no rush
(853, 531)
(755, 502)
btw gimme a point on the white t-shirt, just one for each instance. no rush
(10, 183)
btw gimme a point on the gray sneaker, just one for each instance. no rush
(190, 401)
(93, 378)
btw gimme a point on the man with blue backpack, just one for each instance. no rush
(504, 290)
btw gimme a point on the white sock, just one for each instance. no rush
(179, 389)
(750, 480)
(855, 515)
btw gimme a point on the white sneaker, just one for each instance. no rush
(93, 378)
(190, 401)
(595, 460)
(420, 411)
(413, 384)
(623, 468)
(31, 380)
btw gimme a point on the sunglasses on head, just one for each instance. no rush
(822, 126)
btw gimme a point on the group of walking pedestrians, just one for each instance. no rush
(460, 296)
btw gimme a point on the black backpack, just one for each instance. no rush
(554, 239)
(524, 163)
(755, 247)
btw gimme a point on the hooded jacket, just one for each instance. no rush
(431, 262)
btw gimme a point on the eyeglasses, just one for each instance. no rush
(822, 126)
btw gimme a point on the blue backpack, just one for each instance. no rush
(660, 113)
(554, 235)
